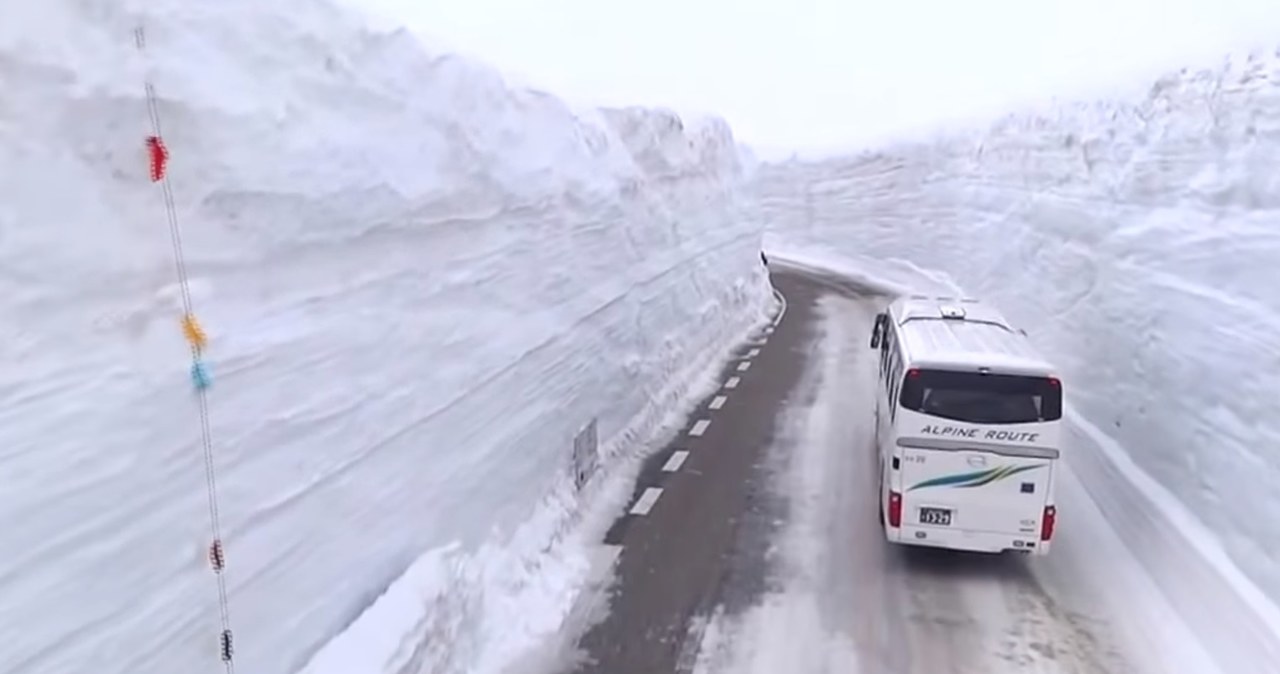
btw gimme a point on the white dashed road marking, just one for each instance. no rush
(700, 427)
(718, 402)
(753, 353)
(732, 382)
(677, 459)
(646, 501)
(744, 365)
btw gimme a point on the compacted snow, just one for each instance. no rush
(1136, 243)
(418, 285)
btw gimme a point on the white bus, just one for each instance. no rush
(968, 429)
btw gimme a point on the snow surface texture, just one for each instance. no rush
(1134, 242)
(418, 284)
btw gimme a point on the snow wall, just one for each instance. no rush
(418, 285)
(1137, 244)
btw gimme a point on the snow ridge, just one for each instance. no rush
(418, 284)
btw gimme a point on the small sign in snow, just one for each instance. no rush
(586, 454)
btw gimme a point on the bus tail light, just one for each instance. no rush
(895, 509)
(1048, 522)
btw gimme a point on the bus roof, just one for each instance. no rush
(948, 333)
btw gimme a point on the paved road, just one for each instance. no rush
(706, 539)
(762, 553)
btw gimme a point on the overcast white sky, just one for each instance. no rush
(812, 74)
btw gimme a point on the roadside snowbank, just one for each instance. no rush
(418, 285)
(1134, 242)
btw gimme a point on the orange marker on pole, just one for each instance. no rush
(194, 333)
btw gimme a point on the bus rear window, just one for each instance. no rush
(982, 398)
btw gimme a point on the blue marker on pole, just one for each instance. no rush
(200, 375)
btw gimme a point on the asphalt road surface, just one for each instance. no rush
(751, 542)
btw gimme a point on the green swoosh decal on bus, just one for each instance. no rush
(976, 478)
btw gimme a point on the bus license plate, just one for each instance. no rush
(936, 516)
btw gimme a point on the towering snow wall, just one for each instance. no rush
(1136, 242)
(418, 285)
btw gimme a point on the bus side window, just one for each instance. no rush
(884, 353)
(890, 349)
(895, 382)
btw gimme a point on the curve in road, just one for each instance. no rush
(751, 542)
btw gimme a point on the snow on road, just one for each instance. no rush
(418, 285)
(848, 602)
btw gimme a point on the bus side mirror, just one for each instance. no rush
(877, 331)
